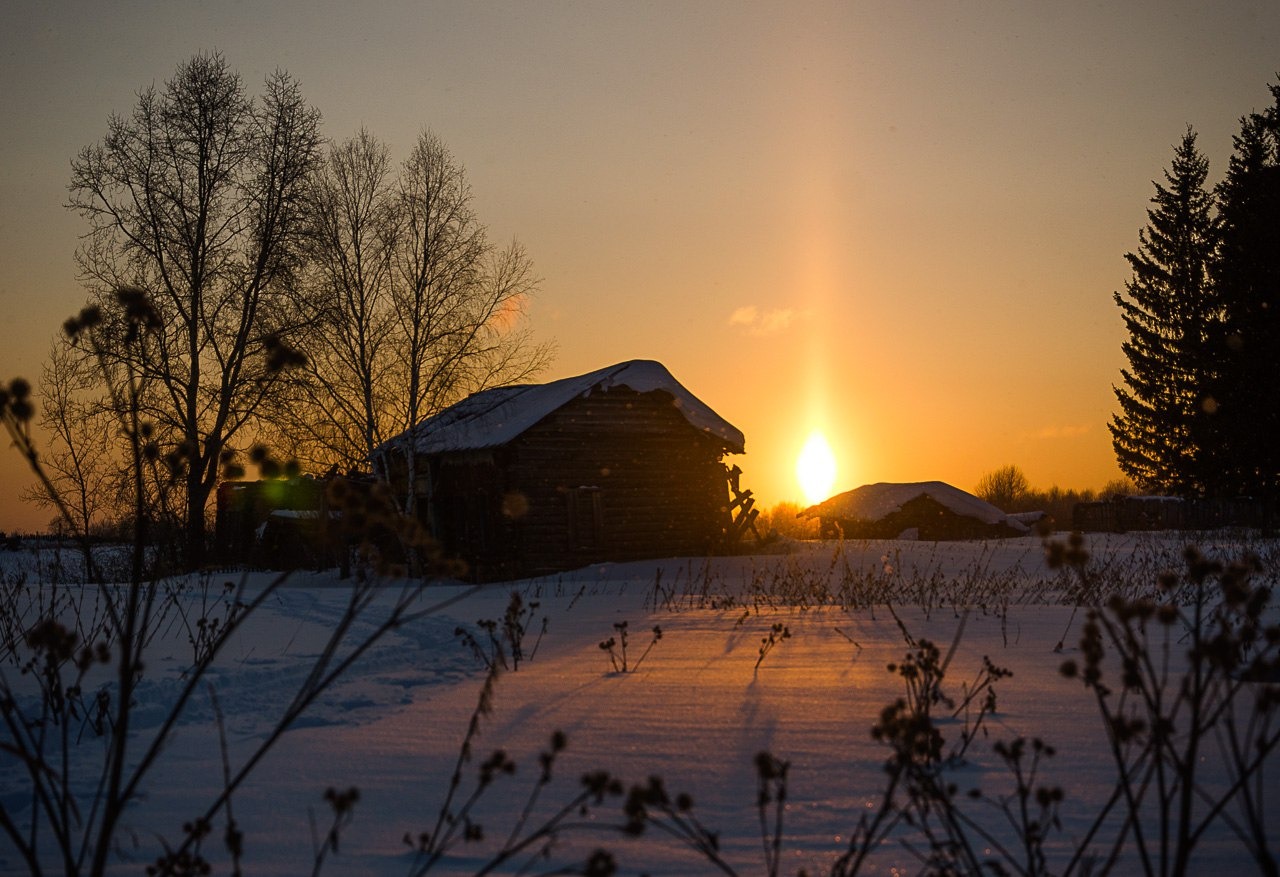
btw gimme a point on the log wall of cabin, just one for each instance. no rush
(614, 476)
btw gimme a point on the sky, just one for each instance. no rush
(897, 223)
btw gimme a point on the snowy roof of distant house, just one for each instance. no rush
(873, 502)
(492, 418)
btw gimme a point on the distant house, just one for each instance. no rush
(619, 464)
(931, 510)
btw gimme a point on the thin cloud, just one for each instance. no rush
(758, 322)
(1050, 433)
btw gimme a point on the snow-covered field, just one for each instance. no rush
(695, 707)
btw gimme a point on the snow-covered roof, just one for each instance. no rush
(873, 502)
(495, 417)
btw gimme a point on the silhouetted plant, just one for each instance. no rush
(1166, 726)
(515, 626)
(529, 840)
(777, 633)
(504, 644)
(649, 805)
(771, 803)
(207, 615)
(1170, 727)
(69, 718)
(342, 806)
(616, 648)
(922, 756)
(1032, 809)
(918, 805)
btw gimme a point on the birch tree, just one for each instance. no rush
(415, 306)
(198, 198)
(335, 414)
(456, 298)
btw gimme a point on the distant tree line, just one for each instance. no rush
(783, 520)
(277, 287)
(1008, 489)
(1200, 397)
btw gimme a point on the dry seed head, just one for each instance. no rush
(138, 309)
(280, 355)
(337, 490)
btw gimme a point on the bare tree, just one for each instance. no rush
(456, 298)
(1004, 488)
(334, 414)
(83, 462)
(1118, 487)
(414, 306)
(198, 197)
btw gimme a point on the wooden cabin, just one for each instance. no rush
(619, 464)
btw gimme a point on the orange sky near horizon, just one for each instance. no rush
(897, 224)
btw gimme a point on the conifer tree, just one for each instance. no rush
(1169, 312)
(1246, 276)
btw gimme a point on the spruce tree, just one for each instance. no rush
(1169, 312)
(1246, 276)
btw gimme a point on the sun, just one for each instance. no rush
(816, 469)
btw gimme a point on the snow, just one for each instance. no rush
(495, 417)
(296, 514)
(696, 710)
(872, 502)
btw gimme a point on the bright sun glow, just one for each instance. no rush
(816, 469)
